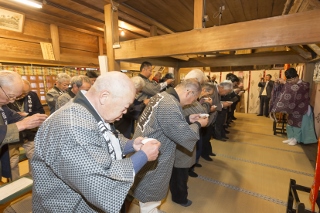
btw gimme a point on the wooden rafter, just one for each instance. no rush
(269, 32)
(244, 60)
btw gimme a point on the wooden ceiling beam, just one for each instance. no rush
(165, 61)
(134, 13)
(269, 32)
(244, 60)
(304, 53)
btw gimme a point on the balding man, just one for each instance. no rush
(11, 123)
(78, 161)
(164, 120)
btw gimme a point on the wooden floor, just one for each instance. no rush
(250, 173)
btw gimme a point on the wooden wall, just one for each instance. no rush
(76, 48)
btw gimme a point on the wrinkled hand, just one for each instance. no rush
(194, 117)
(208, 100)
(24, 114)
(213, 108)
(169, 81)
(137, 143)
(151, 149)
(226, 104)
(31, 121)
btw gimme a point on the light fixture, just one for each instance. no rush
(122, 33)
(31, 3)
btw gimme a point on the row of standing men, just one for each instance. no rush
(71, 147)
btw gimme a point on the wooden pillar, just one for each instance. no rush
(112, 36)
(198, 14)
(100, 45)
(55, 41)
(153, 30)
(176, 75)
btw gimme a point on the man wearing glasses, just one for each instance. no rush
(11, 123)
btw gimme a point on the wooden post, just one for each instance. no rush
(100, 45)
(176, 75)
(153, 30)
(55, 41)
(198, 14)
(112, 32)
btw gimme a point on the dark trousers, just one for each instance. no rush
(206, 145)
(178, 185)
(264, 105)
(218, 129)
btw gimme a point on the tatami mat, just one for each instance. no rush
(250, 173)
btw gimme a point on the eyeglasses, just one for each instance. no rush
(9, 98)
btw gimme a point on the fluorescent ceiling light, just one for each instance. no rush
(31, 3)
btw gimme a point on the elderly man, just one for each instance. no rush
(79, 82)
(11, 123)
(26, 104)
(62, 84)
(183, 158)
(126, 124)
(163, 120)
(78, 161)
(218, 119)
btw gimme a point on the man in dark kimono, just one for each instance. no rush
(292, 97)
(78, 163)
(163, 120)
(11, 123)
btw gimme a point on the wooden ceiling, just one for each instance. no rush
(145, 18)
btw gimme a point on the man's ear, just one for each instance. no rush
(104, 96)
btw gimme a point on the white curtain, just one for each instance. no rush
(254, 101)
(274, 73)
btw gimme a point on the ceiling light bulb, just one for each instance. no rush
(31, 3)
(122, 33)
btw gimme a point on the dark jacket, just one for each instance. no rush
(269, 88)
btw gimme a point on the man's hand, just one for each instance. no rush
(226, 104)
(194, 117)
(207, 100)
(203, 121)
(169, 81)
(151, 149)
(213, 108)
(31, 121)
(137, 143)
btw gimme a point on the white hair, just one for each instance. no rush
(196, 73)
(9, 77)
(138, 82)
(227, 84)
(62, 77)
